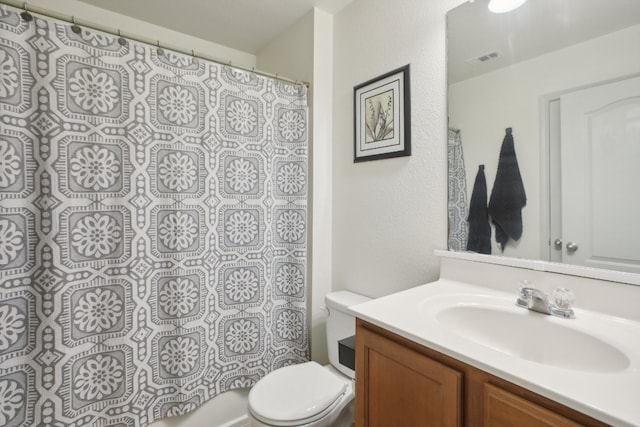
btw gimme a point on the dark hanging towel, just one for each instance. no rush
(479, 228)
(508, 196)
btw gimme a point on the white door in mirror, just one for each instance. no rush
(600, 138)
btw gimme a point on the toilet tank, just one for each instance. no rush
(340, 323)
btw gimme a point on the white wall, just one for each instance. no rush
(484, 106)
(321, 156)
(291, 52)
(390, 215)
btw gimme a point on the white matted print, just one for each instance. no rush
(383, 117)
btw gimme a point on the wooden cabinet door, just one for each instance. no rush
(399, 387)
(505, 409)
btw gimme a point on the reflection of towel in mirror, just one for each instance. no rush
(508, 196)
(479, 229)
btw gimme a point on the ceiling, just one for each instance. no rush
(536, 28)
(246, 25)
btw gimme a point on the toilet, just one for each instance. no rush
(309, 394)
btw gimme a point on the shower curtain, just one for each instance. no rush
(152, 228)
(457, 206)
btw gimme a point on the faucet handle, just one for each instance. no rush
(564, 298)
(525, 287)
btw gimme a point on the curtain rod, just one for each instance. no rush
(117, 32)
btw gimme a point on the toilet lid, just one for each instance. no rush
(295, 392)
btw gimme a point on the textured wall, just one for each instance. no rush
(390, 215)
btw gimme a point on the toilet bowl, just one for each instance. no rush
(309, 394)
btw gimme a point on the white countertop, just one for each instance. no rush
(612, 397)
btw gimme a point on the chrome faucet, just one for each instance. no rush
(536, 300)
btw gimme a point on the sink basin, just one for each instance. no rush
(532, 336)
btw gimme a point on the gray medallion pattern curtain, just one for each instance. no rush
(457, 206)
(152, 228)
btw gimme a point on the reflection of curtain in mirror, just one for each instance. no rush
(457, 202)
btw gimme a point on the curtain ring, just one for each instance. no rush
(121, 40)
(26, 16)
(194, 60)
(75, 27)
(159, 51)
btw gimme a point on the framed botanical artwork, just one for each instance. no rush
(383, 117)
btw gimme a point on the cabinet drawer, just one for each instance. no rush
(505, 409)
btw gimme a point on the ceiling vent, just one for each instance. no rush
(484, 57)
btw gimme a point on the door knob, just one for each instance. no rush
(557, 243)
(572, 247)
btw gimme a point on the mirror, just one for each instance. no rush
(564, 75)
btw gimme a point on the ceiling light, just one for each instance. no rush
(502, 6)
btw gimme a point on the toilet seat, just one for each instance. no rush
(298, 394)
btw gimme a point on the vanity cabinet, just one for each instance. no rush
(402, 387)
(400, 383)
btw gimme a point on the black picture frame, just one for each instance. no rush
(382, 117)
